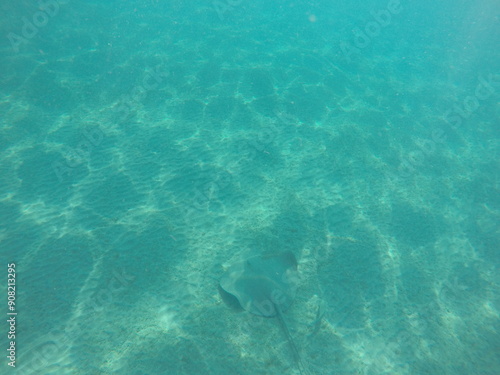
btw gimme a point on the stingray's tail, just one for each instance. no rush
(302, 369)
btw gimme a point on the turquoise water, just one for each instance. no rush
(145, 146)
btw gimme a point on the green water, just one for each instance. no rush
(145, 146)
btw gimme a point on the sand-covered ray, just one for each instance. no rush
(263, 284)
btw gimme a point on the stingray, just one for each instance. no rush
(264, 285)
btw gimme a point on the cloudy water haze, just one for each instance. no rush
(349, 149)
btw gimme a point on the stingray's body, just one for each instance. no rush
(265, 286)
